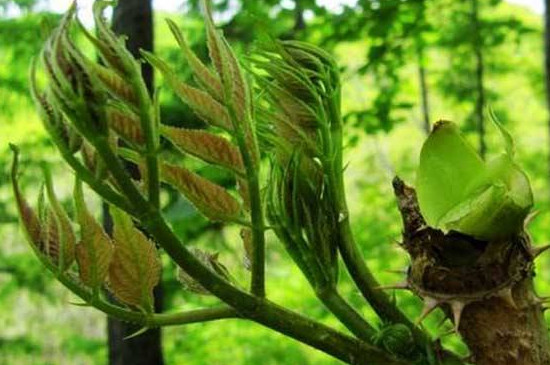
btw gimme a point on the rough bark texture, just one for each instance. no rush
(486, 288)
(133, 18)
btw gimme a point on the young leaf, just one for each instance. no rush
(449, 170)
(206, 146)
(126, 124)
(227, 65)
(204, 105)
(206, 78)
(458, 191)
(135, 268)
(210, 199)
(115, 84)
(27, 215)
(110, 46)
(95, 250)
(62, 243)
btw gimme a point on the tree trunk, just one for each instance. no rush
(479, 74)
(134, 19)
(485, 288)
(299, 21)
(423, 88)
(547, 67)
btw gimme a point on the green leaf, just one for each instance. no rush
(66, 239)
(95, 250)
(458, 191)
(135, 268)
(449, 169)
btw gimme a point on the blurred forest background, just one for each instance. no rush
(405, 64)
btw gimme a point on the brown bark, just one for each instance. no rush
(500, 333)
(486, 288)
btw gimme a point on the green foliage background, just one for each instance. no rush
(39, 326)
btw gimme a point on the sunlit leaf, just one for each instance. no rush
(458, 191)
(95, 250)
(135, 268)
(210, 199)
(206, 146)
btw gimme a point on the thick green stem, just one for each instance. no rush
(150, 131)
(250, 158)
(353, 258)
(249, 306)
(263, 311)
(347, 315)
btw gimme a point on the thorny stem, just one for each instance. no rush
(263, 311)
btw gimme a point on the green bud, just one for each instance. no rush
(458, 191)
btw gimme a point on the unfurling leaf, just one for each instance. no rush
(110, 46)
(210, 199)
(458, 191)
(211, 262)
(135, 268)
(73, 86)
(126, 124)
(95, 250)
(206, 78)
(27, 215)
(63, 134)
(115, 84)
(227, 65)
(206, 146)
(204, 105)
(60, 246)
(49, 232)
(93, 161)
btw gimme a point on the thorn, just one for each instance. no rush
(507, 296)
(429, 305)
(537, 251)
(530, 218)
(402, 285)
(457, 307)
(84, 304)
(137, 333)
(536, 300)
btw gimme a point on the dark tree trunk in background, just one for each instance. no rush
(547, 66)
(479, 75)
(134, 19)
(423, 87)
(299, 21)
